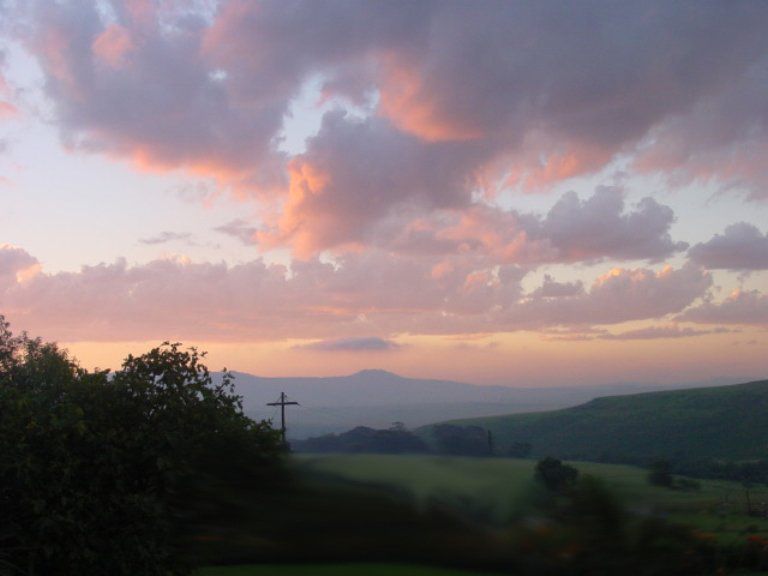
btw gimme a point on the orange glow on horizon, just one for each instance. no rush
(522, 359)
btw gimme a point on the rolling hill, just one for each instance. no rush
(378, 398)
(724, 422)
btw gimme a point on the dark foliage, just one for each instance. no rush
(461, 440)
(448, 439)
(395, 440)
(100, 473)
(660, 474)
(588, 530)
(556, 476)
(520, 450)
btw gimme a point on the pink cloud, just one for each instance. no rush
(599, 227)
(357, 174)
(113, 45)
(7, 110)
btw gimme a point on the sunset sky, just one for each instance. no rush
(529, 194)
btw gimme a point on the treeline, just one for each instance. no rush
(448, 439)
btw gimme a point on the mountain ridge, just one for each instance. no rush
(377, 398)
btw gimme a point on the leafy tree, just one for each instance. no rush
(554, 475)
(101, 473)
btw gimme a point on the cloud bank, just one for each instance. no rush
(373, 292)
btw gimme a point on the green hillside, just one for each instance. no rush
(728, 422)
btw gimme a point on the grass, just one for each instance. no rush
(331, 570)
(499, 487)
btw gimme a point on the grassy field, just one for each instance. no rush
(725, 422)
(331, 570)
(499, 488)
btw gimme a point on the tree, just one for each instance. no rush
(99, 472)
(554, 475)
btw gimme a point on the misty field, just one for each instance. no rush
(499, 489)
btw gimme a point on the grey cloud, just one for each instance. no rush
(655, 332)
(748, 307)
(550, 288)
(598, 227)
(619, 296)
(13, 260)
(741, 247)
(239, 229)
(160, 106)
(371, 344)
(166, 237)
(193, 192)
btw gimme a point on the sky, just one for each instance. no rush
(528, 194)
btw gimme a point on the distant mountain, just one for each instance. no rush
(378, 398)
(724, 422)
(374, 398)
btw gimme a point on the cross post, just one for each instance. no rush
(283, 402)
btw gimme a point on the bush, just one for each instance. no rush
(556, 476)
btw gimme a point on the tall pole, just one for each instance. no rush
(283, 402)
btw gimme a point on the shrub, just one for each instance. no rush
(554, 475)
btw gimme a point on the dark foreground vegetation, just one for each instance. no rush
(109, 473)
(154, 470)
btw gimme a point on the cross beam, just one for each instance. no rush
(283, 402)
